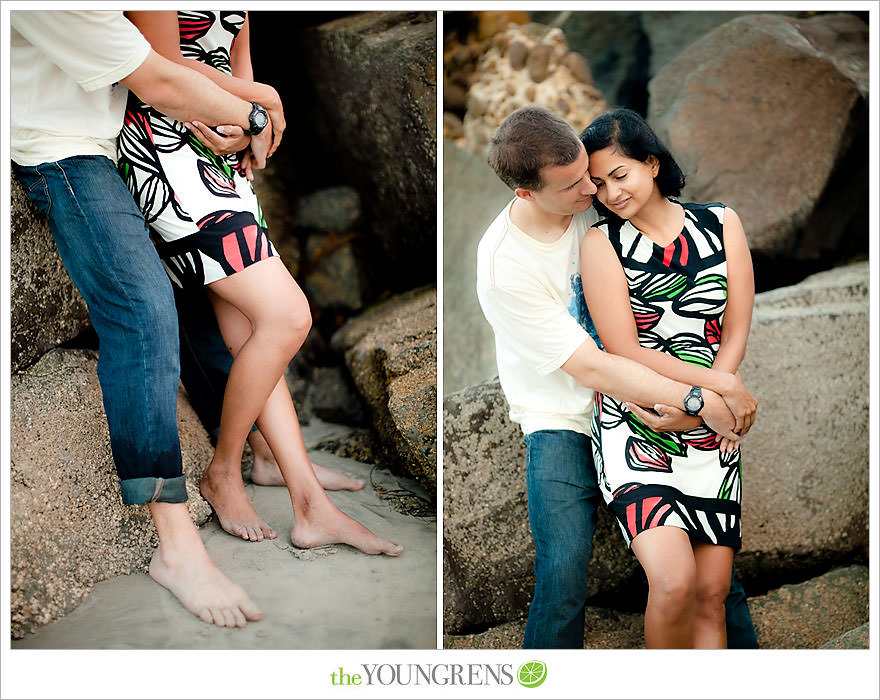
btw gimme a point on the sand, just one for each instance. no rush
(326, 598)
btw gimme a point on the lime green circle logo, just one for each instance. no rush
(531, 674)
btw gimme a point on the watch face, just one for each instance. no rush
(260, 119)
(692, 403)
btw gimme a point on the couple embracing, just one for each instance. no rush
(620, 318)
(193, 126)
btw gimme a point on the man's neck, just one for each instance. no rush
(538, 223)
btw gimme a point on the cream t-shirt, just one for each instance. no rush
(65, 96)
(532, 296)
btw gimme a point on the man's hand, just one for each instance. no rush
(665, 418)
(741, 403)
(231, 138)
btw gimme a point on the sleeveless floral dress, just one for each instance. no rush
(678, 295)
(201, 206)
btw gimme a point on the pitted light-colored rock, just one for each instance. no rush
(809, 615)
(805, 463)
(741, 105)
(524, 65)
(858, 638)
(46, 309)
(391, 353)
(69, 528)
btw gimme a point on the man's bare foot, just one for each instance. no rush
(324, 524)
(267, 473)
(204, 590)
(233, 508)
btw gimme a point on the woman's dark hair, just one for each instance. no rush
(631, 135)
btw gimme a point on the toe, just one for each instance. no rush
(250, 609)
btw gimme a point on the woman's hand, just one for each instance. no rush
(741, 403)
(231, 138)
(665, 418)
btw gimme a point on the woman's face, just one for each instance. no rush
(623, 184)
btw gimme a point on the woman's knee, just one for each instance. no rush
(676, 587)
(710, 595)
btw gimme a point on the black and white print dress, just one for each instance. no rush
(201, 206)
(678, 295)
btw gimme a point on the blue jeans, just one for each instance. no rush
(563, 495)
(103, 241)
(205, 360)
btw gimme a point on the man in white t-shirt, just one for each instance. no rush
(550, 363)
(70, 74)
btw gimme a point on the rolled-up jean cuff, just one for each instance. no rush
(153, 490)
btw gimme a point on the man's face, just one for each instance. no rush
(567, 188)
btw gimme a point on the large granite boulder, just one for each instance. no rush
(805, 461)
(805, 464)
(373, 88)
(769, 115)
(69, 528)
(472, 197)
(811, 614)
(46, 309)
(391, 353)
(525, 65)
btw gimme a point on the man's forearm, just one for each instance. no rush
(185, 95)
(624, 379)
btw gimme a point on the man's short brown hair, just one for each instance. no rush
(529, 139)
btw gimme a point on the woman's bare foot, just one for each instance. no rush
(203, 589)
(233, 508)
(267, 473)
(323, 523)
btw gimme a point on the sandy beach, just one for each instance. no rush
(326, 598)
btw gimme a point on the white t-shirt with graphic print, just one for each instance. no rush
(532, 296)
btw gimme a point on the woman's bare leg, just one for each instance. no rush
(714, 565)
(240, 311)
(666, 555)
(267, 473)
(279, 322)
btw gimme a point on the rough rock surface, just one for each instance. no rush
(391, 353)
(46, 308)
(529, 64)
(69, 528)
(333, 209)
(746, 101)
(808, 615)
(334, 279)
(670, 33)
(808, 349)
(858, 638)
(375, 85)
(802, 616)
(472, 197)
(805, 461)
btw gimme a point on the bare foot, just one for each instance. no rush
(234, 511)
(204, 590)
(323, 523)
(267, 473)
